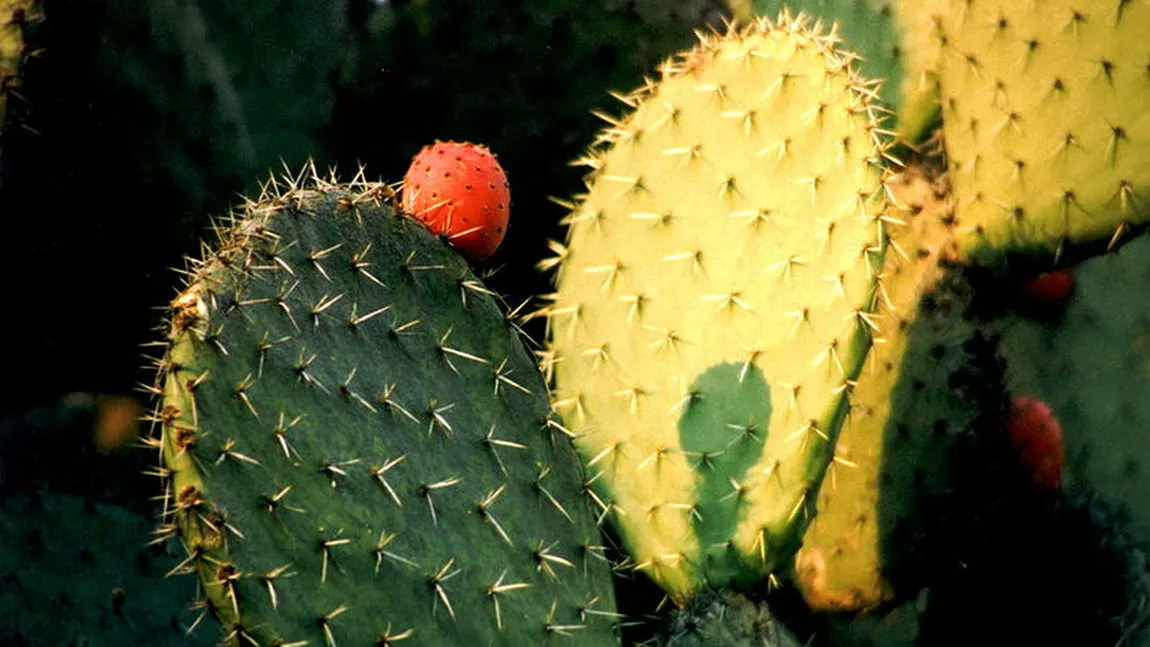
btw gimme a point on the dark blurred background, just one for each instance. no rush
(143, 119)
(138, 121)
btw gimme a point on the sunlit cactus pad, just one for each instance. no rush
(1046, 121)
(359, 445)
(894, 41)
(714, 298)
(889, 433)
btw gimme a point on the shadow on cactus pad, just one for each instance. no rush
(724, 435)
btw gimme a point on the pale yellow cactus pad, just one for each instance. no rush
(1046, 120)
(714, 299)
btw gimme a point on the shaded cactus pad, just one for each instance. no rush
(359, 444)
(75, 572)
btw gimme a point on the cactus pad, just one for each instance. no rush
(720, 273)
(1093, 368)
(894, 41)
(360, 447)
(75, 572)
(917, 106)
(1046, 121)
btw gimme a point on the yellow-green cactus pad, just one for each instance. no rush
(1046, 113)
(866, 28)
(714, 299)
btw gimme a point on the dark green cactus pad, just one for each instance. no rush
(898, 627)
(1092, 366)
(361, 447)
(73, 572)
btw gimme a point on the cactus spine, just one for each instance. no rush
(714, 299)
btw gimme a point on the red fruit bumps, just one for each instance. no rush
(459, 191)
(1051, 289)
(1037, 437)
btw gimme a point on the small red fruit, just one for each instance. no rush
(1051, 289)
(459, 191)
(1037, 437)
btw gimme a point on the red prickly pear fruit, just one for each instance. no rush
(1037, 437)
(1050, 289)
(458, 190)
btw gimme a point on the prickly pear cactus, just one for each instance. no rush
(76, 572)
(359, 446)
(714, 299)
(1042, 113)
(1045, 123)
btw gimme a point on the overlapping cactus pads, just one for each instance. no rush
(359, 447)
(871, 27)
(927, 390)
(715, 295)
